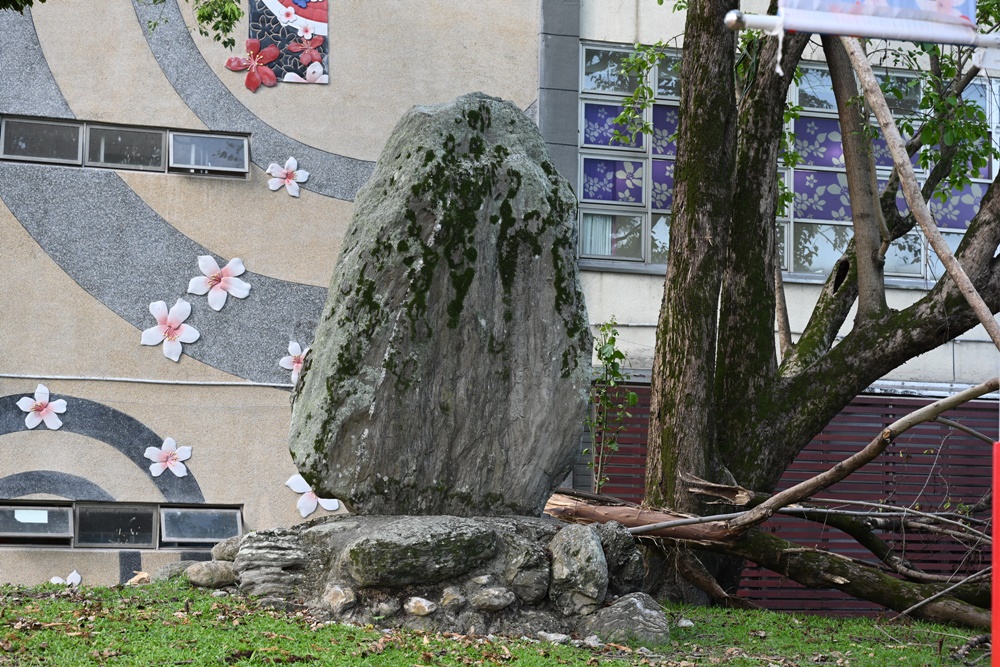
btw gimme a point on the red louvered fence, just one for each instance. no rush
(931, 467)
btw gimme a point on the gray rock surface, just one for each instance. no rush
(339, 598)
(171, 570)
(271, 562)
(417, 606)
(212, 574)
(419, 550)
(430, 573)
(625, 566)
(452, 599)
(492, 598)
(227, 549)
(634, 617)
(449, 372)
(527, 571)
(579, 570)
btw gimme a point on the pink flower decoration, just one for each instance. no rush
(40, 409)
(306, 31)
(256, 64)
(290, 176)
(308, 48)
(307, 503)
(293, 361)
(168, 457)
(170, 328)
(218, 283)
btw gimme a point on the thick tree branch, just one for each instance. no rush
(747, 362)
(859, 159)
(819, 569)
(815, 484)
(682, 416)
(911, 190)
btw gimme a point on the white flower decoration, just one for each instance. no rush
(287, 16)
(293, 361)
(307, 503)
(73, 579)
(168, 457)
(314, 74)
(170, 328)
(306, 31)
(41, 409)
(219, 283)
(290, 176)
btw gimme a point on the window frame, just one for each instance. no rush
(4, 120)
(68, 535)
(122, 508)
(201, 170)
(164, 539)
(112, 165)
(645, 155)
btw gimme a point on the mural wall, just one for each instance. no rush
(155, 317)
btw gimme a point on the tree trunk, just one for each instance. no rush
(682, 429)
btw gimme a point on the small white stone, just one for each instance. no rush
(685, 623)
(593, 641)
(553, 637)
(419, 607)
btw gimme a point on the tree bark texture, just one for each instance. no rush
(682, 429)
(859, 161)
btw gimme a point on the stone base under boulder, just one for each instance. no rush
(488, 575)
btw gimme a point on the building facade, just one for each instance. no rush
(132, 148)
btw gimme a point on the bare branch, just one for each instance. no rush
(941, 594)
(815, 484)
(911, 189)
(781, 312)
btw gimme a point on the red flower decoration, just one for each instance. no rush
(256, 62)
(307, 47)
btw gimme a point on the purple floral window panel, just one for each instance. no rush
(821, 195)
(817, 141)
(664, 129)
(901, 206)
(299, 28)
(599, 125)
(961, 206)
(882, 156)
(613, 180)
(663, 184)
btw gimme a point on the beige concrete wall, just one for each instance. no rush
(274, 234)
(960, 361)
(387, 59)
(428, 52)
(98, 567)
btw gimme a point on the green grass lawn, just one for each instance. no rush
(171, 624)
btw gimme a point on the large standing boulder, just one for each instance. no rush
(449, 372)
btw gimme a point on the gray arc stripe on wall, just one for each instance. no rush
(100, 422)
(26, 81)
(107, 239)
(184, 66)
(51, 482)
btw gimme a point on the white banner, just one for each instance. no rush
(942, 21)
